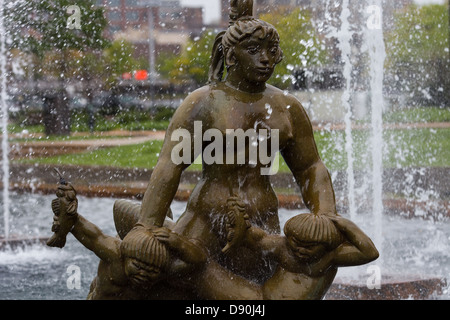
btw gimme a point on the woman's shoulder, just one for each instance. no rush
(198, 93)
(194, 105)
(204, 94)
(285, 94)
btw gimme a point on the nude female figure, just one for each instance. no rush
(250, 50)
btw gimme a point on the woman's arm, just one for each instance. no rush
(310, 173)
(166, 175)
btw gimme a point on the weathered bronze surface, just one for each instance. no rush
(228, 243)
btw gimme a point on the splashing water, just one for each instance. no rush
(376, 51)
(345, 37)
(377, 54)
(411, 246)
(4, 123)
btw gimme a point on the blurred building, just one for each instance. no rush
(171, 24)
(264, 6)
(322, 9)
(123, 15)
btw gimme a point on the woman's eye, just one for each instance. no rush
(252, 50)
(274, 50)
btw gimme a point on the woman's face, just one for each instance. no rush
(256, 58)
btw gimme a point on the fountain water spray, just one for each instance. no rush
(4, 122)
(345, 37)
(377, 54)
(364, 21)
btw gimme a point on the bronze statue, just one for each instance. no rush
(231, 220)
(309, 254)
(66, 201)
(127, 270)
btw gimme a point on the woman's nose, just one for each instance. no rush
(264, 57)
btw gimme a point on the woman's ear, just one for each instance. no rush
(280, 56)
(230, 58)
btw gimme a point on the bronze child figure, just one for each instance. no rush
(310, 253)
(127, 270)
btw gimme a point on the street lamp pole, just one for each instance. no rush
(151, 42)
(152, 75)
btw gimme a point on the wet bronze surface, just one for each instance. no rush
(228, 243)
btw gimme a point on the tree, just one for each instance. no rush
(193, 63)
(418, 54)
(300, 42)
(118, 59)
(62, 30)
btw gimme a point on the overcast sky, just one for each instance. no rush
(212, 7)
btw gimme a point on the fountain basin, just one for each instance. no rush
(15, 242)
(417, 252)
(392, 287)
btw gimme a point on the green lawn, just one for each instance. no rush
(403, 148)
(129, 156)
(412, 115)
(132, 120)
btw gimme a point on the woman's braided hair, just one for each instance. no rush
(309, 227)
(144, 246)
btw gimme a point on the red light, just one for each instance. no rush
(127, 76)
(141, 75)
